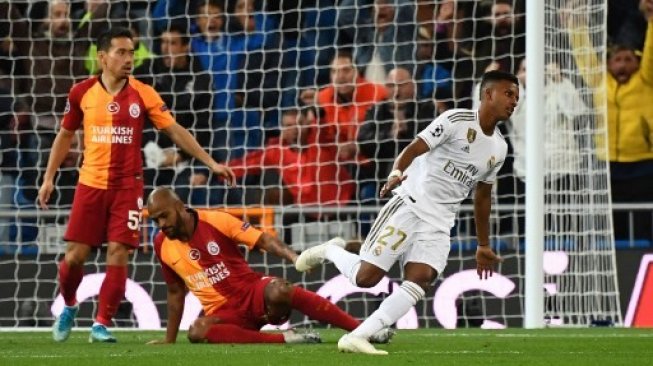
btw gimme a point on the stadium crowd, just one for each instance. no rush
(309, 101)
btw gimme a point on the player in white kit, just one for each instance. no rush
(460, 150)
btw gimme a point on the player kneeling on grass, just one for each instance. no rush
(198, 251)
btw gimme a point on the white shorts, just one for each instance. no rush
(398, 232)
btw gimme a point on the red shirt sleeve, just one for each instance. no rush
(234, 229)
(72, 114)
(157, 110)
(169, 275)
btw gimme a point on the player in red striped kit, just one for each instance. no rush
(112, 109)
(198, 251)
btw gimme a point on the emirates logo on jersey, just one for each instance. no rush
(213, 248)
(194, 254)
(113, 107)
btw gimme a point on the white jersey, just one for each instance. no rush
(460, 156)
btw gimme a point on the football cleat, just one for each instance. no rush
(292, 336)
(64, 323)
(100, 333)
(312, 257)
(353, 344)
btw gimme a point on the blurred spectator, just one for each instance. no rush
(8, 158)
(625, 24)
(186, 89)
(223, 54)
(382, 33)
(562, 106)
(307, 44)
(116, 12)
(627, 92)
(563, 113)
(53, 58)
(345, 103)
(389, 127)
(506, 44)
(453, 27)
(165, 11)
(255, 45)
(308, 170)
(433, 80)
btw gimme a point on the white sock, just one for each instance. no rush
(346, 262)
(392, 308)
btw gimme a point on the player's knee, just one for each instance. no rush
(76, 254)
(117, 254)
(74, 260)
(368, 279)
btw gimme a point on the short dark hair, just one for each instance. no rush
(214, 3)
(104, 40)
(344, 53)
(182, 29)
(496, 75)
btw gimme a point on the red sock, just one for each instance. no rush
(111, 293)
(69, 280)
(321, 309)
(229, 333)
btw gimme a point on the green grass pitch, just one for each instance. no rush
(550, 347)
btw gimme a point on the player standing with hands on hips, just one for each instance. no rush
(112, 108)
(460, 150)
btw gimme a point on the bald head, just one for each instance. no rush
(162, 196)
(166, 209)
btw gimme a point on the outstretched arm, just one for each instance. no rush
(575, 21)
(275, 246)
(182, 138)
(485, 257)
(646, 6)
(403, 161)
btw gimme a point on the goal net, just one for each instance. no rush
(268, 87)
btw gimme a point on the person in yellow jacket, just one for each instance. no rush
(628, 95)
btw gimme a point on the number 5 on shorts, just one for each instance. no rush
(390, 231)
(133, 219)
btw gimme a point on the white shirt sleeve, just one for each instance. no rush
(437, 131)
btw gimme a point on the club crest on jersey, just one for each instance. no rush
(134, 110)
(194, 254)
(113, 107)
(377, 250)
(437, 132)
(491, 163)
(471, 135)
(213, 248)
(465, 148)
